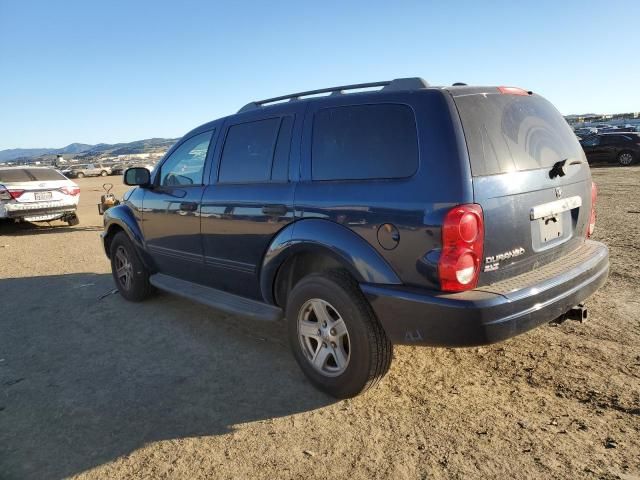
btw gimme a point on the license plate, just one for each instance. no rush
(42, 196)
(550, 228)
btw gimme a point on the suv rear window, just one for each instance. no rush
(507, 133)
(30, 175)
(364, 142)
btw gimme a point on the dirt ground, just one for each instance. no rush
(95, 387)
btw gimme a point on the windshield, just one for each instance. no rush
(507, 133)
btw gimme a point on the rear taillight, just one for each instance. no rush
(71, 190)
(592, 215)
(8, 194)
(513, 91)
(462, 242)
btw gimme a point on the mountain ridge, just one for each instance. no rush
(123, 148)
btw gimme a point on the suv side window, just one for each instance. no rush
(257, 151)
(364, 142)
(185, 166)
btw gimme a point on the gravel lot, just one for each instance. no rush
(95, 387)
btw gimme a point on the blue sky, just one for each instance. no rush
(112, 71)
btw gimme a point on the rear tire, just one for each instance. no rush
(626, 158)
(103, 173)
(342, 349)
(73, 220)
(80, 175)
(129, 273)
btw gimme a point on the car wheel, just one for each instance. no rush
(72, 220)
(129, 273)
(335, 337)
(103, 173)
(80, 175)
(625, 158)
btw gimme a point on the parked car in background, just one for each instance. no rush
(90, 170)
(623, 148)
(67, 171)
(339, 214)
(585, 131)
(118, 168)
(37, 194)
(148, 166)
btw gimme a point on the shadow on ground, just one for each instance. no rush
(85, 380)
(8, 228)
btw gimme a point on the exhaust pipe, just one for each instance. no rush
(579, 313)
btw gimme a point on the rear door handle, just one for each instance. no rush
(189, 206)
(274, 210)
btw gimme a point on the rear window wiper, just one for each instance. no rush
(558, 169)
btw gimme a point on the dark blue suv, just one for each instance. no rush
(370, 215)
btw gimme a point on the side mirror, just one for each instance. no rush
(137, 176)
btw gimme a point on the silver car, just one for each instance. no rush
(37, 194)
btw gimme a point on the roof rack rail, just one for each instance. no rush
(389, 85)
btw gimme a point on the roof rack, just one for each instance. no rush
(389, 85)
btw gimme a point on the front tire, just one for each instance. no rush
(103, 173)
(129, 273)
(335, 337)
(80, 175)
(626, 158)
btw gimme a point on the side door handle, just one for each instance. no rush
(274, 210)
(189, 206)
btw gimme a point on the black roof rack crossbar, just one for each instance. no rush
(396, 84)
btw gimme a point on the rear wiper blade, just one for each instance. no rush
(558, 169)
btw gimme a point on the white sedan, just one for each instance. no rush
(37, 194)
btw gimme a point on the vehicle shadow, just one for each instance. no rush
(8, 228)
(86, 377)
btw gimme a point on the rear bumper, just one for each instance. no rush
(493, 313)
(36, 209)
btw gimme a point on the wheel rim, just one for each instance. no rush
(626, 159)
(324, 337)
(124, 269)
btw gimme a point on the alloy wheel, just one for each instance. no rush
(324, 337)
(124, 268)
(625, 159)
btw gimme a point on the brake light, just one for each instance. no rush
(592, 215)
(6, 194)
(513, 91)
(462, 244)
(73, 190)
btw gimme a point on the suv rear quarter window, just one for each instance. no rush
(257, 151)
(359, 142)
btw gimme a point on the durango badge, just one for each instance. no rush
(492, 262)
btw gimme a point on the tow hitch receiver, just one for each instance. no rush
(578, 313)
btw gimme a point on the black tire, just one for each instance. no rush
(79, 175)
(370, 351)
(138, 287)
(73, 220)
(626, 158)
(103, 173)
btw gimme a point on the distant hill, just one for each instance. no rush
(82, 149)
(14, 153)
